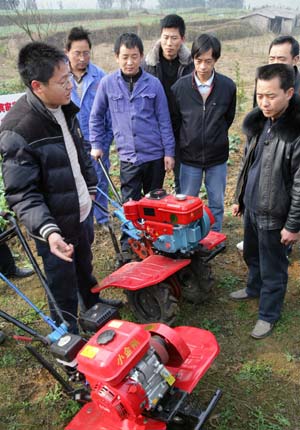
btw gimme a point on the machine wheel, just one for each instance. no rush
(153, 304)
(196, 281)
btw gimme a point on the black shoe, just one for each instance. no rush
(21, 273)
(111, 302)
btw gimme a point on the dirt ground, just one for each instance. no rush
(259, 379)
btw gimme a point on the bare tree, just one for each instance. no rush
(136, 4)
(5, 4)
(105, 4)
(25, 15)
(123, 4)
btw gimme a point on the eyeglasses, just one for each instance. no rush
(78, 54)
(66, 82)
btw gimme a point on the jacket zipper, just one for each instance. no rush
(203, 131)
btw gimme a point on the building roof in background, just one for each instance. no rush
(272, 13)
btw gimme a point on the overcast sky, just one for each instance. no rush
(91, 4)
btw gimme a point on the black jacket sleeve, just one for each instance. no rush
(21, 177)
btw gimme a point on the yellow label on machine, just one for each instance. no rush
(89, 351)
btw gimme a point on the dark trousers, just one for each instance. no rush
(176, 170)
(7, 262)
(138, 180)
(69, 282)
(267, 262)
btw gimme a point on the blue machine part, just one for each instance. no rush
(127, 226)
(57, 332)
(185, 238)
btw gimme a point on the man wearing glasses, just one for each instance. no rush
(86, 78)
(49, 178)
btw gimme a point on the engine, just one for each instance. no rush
(174, 223)
(139, 375)
(153, 376)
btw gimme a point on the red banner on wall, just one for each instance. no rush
(6, 102)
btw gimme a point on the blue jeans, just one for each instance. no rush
(100, 215)
(69, 281)
(266, 258)
(215, 184)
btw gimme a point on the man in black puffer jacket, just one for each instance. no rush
(268, 192)
(49, 179)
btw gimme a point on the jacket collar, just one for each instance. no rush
(287, 127)
(194, 82)
(139, 85)
(152, 57)
(69, 110)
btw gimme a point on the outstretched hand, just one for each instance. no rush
(60, 248)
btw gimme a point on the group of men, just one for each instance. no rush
(169, 110)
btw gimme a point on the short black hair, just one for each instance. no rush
(284, 72)
(37, 61)
(130, 40)
(204, 43)
(78, 33)
(173, 21)
(286, 39)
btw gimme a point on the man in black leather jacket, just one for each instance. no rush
(268, 192)
(48, 177)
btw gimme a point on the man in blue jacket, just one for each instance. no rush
(140, 121)
(205, 103)
(85, 79)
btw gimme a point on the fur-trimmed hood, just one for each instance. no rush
(286, 128)
(152, 58)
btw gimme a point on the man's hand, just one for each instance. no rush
(60, 248)
(289, 238)
(96, 153)
(169, 163)
(236, 210)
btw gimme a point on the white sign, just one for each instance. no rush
(6, 102)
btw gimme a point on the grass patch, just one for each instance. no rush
(229, 282)
(255, 372)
